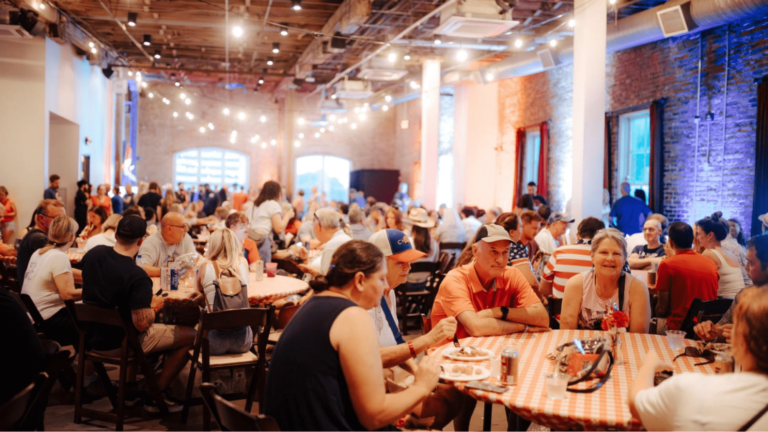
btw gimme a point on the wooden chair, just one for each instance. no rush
(85, 317)
(554, 306)
(283, 318)
(8, 278)
(446, 261)
(56, 362)
(426, 323)
(452, 246)
(260, 319)
(231, 418)
(411, 305)
(29, 307)
(13, 412)
(701, 311)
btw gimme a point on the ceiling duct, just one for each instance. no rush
(379, 68)
(475, 19)
(548, 58)
(353, 89)
(13, 31)
(642, 28)
(675, 20)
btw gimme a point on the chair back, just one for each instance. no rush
(444, 260)
(554, 306)
(285, 316)
(232, 418)
(700, 311)
(8, 277)
(207, 390)
(85, 314)
(459, 246)
(289, 266)
(31, 308)
(13, 411)
(234, 318)
(56, 361)
(425, 266)
(426, 323)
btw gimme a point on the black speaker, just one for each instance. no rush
(107, 71)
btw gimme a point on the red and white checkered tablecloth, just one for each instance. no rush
(604, 409)
(265, 291)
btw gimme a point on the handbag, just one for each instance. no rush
(229, 291)
(596, 362)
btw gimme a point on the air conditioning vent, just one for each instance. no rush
(381, 69)
(332, 106)
(13, 31)
(672, 21)
(353, 89)
(548, 58)
(475, 19)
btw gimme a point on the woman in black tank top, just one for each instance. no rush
(326, 373)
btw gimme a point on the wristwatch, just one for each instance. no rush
(504, 313)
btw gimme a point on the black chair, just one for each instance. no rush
(289, 266)
(701, 311)
(554, 306)
(29, 307)
(85, 316)
(413, 304)
(232, 418)
(8, 278)
(260, 319)
(283, 318)
(452, 246)
(445, 260)
(422, 267)
(57, 361)
(14, 411)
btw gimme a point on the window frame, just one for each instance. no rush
(321, 186)
(624, 152)
(532, 155)
(199, 151)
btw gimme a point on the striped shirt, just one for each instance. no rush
(565, 263)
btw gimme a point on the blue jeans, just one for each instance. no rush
(265, 250)
(235, 341)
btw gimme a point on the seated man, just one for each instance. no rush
(445, 402)
(111, 279)
(642, 257)
(327, 229)
(687, 273)
(171, 242)
(486, 297)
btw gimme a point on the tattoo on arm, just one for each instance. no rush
(143, 318)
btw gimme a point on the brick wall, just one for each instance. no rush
(693, 187)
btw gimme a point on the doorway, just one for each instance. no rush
(63, 152)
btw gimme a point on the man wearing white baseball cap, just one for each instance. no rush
(445, 403)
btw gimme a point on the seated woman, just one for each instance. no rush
(224, 257)
(697, 401)
(422, 242)
(710, 231)
(588, 295)
(49, 281)
(326, 372)
(107, 236)
(514, 226)
(96, 218)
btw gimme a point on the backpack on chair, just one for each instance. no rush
(231, 292)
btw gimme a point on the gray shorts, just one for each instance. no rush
(9, 226)
(157, 338)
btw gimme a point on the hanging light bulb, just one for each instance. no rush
(385, 108)
(301, 136)
(415, 85)
(261, 80)
(273, 142)
(144, 84)
(297, 143)
(132, 18)
(130, 73)
(157, 54)
(461, 55)
(175, 114)
(296, 5)
(330, 128)
(388, 98)
(553, 43)
(518, 43)
(392, 57)
(275, 47)
(202, 129)
(177, 84)
(353, 126)
(147, 40)
(489, 76)
(332, 117)
(270, 62)
(241, 115)
(183, 96)
(263, 119)
(317, 134)
(284, 30)
(237, 31)
(571, 23)
(151, 95)
(264, 145)
(300, 121)
(437, 40)
(94, 50)
(188, 101)
(210, 126)
(226, 111)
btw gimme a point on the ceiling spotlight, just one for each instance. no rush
(130, 73)
(612, 1)
(175, 114)
(553, 43)
(571, 23)
(210, 126)
(190, 116)
(263, 119)
(183, 96)
(226, 111)
(415, 85)
(264, 145)
(188, 101)
(202, 129)
(232, 139)
(284, 30)
(41, 6)
(437, 40)
(333, 97)
(407, 56)
(147, 40)
(90, 44)
(132, 17)
(144, 84)
(94, 50)
(330, 128)
(518, 43)
(151, 95)
(388, 98)
(322, 130)
(296, 5)
(275, 47)
(353, 126)
(332, 117)
(301, 136)
(392, 57)
(273, 142)
(157, 54)
(297, 143)
(385, 108)
(255, 139)
(270, 62)
(361, 117)
(138, 75)
(241, 116)
(177, 84)
(489, 76)
(461, 55)
(300, 121)
(237, 31)
(261, 80)
(317, 134)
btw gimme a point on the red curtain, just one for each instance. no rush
(543, 160)
(520, 142)
(655, 177)
(607, 161)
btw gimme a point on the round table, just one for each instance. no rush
(265, 291)
(8, 259)
(606, 408)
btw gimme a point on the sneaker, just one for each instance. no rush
(151, 406)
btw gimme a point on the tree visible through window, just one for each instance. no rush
(210, 165)
(635, 149)
(329, 173)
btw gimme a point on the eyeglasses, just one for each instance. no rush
(184, 227)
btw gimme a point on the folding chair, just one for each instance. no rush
(13, 412)
(260, 319)
(554, 306)
(283, 318)
(57, 361)
(232, 418)
(701, 311)
(85, 316)
(445, 260)
(411, 305)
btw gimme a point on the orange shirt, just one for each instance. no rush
(106, 202)
(462, 291)
(251, 250)
(238, 200)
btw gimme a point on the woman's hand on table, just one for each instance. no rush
(535, 329)
(157, 303)
(705, 331)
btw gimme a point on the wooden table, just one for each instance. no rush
(265, 291)
(606, 408)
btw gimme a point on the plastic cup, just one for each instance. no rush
(557, 385)
(676, 339)
(271, 269)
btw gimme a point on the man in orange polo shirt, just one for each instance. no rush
(487, 297)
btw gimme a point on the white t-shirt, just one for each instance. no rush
(338, 239)
(156, 252)
(546, 242)
(39, 284)
(471, 225)
(635, 240)
(386, 337)
(103, 239)
(695, 401)
(210, 275)
(261, 216)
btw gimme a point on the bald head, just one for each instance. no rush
(173, 228)
(172, 218)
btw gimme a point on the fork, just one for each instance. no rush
(456, 341)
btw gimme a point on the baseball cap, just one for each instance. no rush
(490, 233)
(396, 245)
(131, 227)
(560, 216)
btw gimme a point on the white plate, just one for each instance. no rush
(448, 377)
(448, 352)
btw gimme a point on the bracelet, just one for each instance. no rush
(413, 351)
(526, 329)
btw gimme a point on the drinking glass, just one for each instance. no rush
(557, 385)
(271, 269)
(676, 339)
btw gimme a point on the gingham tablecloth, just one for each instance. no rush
(603, 409)
(265, 291)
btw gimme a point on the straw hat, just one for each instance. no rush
(418, 216)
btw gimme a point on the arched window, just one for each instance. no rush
(329, 173)
(211, 165)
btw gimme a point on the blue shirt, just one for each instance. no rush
(49, 193)
(627, 211)
(117, 204)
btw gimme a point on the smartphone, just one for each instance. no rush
(160, 291)
(477, 385)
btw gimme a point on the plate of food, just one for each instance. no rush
(467, 353)
(454, 372)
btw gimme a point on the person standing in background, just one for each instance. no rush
(53, 190)
(82, 201)
(8, 218)
(628, 214)
(128, 197)
(239, 198)
(117, 201)
(298, 204)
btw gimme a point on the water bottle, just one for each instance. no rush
(138, 261)
(173, 275)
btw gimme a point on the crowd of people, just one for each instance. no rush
(509, 266)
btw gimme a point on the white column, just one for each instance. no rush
(588, 108)
(430, 125)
